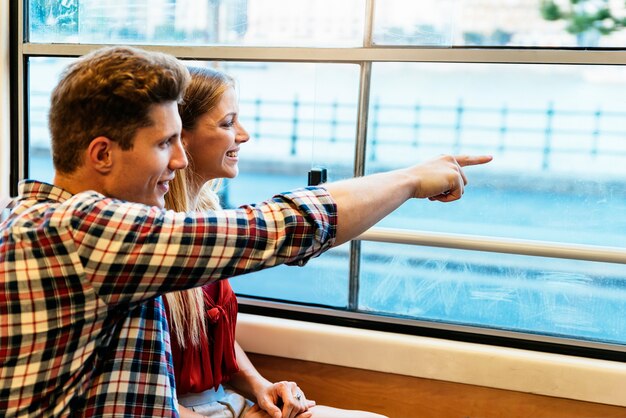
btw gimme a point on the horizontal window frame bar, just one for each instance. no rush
(384, 322)
(497, 245)
(356, 55)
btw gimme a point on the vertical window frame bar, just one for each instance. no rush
(360, 149)
(17, 91)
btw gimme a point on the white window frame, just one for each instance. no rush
(364, 57)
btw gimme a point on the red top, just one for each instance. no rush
(198, 368)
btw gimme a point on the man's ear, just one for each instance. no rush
(100, 154)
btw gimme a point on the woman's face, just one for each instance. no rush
(213, 145)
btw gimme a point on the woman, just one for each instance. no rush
(202, 320)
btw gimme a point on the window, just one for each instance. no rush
(535, 249)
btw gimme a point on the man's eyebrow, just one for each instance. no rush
(174, 135)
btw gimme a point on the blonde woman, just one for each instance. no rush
(214, 377)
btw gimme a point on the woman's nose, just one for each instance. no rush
(242, 134)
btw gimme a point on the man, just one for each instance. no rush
(83, 262)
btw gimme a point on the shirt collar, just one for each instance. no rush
(40, 191)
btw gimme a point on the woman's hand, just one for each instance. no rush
(284, 400)
(257, 412)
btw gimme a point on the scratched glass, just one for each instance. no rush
(555, 297)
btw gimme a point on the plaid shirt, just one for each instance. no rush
(82, 325)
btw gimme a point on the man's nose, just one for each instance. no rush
(179, 157)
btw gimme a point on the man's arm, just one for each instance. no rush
(363, 201)
(132, 252)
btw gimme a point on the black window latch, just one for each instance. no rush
(317, 176)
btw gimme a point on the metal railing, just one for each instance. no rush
(549, 130)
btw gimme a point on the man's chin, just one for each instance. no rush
(159, 202)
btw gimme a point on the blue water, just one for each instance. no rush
(540, 295)
(556, 297)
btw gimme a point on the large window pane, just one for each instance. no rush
(298, 116)
(528, 23)
(564, 298)
(43, 75)
(323, 281)
(288, 110)
(199, 22)
(556, 133)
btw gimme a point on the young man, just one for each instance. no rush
(83, 262)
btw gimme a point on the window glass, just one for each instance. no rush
(528, 23)
(298, 116)
(288, 109)
(556, 133)
(564, 298)
(199, 22)
(323, 281)
(43, 75)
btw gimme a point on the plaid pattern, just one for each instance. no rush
(82, 325)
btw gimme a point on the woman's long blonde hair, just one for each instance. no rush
(186, 308)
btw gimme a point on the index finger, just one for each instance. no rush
(466, 160)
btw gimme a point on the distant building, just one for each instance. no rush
(313, 23)
(318, 23)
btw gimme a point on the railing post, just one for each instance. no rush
(333, 122)
(459, 126)
(596, 133)
(547, 145)
(503, 126)
(374, 141)
(294, 132)
(257, 118)
(416, 124)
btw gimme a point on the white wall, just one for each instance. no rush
(4, 98)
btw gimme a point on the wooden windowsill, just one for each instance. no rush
(398, 396)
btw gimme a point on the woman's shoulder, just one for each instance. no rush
(218, 292)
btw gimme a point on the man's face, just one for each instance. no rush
(142, 173)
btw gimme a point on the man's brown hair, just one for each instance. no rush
(109, 92)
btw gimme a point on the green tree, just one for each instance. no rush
(583, 16)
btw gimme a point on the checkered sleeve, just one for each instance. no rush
(131, 252)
